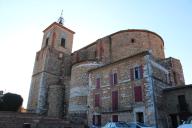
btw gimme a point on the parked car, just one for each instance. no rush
(186, 124)
(119, 124)
(138, 125)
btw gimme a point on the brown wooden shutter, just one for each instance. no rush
(97, 100)
(97, 83)
(138, 93)
(115, 100)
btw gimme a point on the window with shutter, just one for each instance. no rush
(98, 81)
(138, 93)
(114, 78)
(115, 100)
(138, 72)
(97, 100)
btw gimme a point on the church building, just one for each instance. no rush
(119, 77)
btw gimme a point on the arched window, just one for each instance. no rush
(47, 42)
(63, 42)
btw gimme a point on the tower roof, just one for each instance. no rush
(59, 25)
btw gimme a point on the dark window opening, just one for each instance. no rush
(115, 78)
(138, 93)
(63, 42)
(115, 100)
(132, 40)
(115, 118)
(96, 120)
(182, 104)
(47, 42)
(138, 73)
(140, 117)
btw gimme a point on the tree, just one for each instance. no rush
(10, 102)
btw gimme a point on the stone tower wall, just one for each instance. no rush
(50, 66)
(56, 101)
(79, 88)
(55, 33)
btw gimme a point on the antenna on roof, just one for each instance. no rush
(61, 19)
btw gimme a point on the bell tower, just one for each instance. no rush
(51, 72)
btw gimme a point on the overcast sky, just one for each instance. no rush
(22, 23)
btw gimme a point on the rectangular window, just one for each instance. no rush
(113, 79)
(115, 118)
(98, 82)
(182, 103)
(63, 42)
(115, 100)
(47, 41)
(98, 120)
(97, 100)
(138, 93)
(138, 72)
(140, 117)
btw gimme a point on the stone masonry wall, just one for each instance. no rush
(172, 98)
(160, 81)
(56, 101)
(125, 87)
(55, 33)
(79, 86)
(121, 45)
(175, 71)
